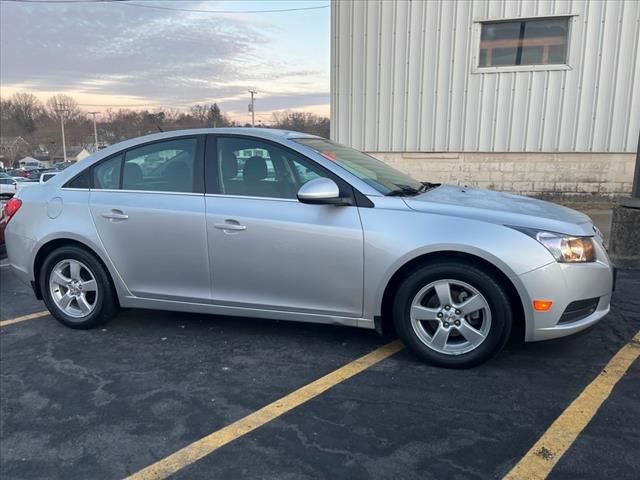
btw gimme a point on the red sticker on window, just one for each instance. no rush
(329, 156)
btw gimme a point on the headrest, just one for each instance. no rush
(255, 169)
(132, 175)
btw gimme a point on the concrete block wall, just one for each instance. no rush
(561, 175)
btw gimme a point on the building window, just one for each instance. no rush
(524, 42)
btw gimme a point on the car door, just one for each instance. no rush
(268, 250)
(148, 207)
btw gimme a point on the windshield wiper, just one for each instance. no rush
(403, 192)
(426, 186)
(406, 191)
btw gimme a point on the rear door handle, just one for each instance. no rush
(115, 215)
(232, 225)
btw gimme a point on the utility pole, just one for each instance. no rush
(61, 110)
(252, 108)
(95, 129)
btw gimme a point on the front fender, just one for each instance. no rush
(394, 238)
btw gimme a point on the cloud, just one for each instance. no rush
(165, 57)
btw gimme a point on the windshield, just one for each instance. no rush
(377, 174)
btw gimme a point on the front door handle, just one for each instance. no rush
(115, 215)
(231, 225)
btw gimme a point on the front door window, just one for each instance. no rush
(260, 169)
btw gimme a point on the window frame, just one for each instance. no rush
(211, 169)
(198, 167)
(477, 34)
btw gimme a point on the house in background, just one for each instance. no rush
(74, 154)
(11, 148)
(530, 96)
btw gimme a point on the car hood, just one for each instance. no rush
(501, 208)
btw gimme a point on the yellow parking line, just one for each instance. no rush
(24, 318)
(543, 456)
(206, 445)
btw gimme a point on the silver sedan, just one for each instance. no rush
(284, 225)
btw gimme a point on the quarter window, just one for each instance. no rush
(259, 169)
(81, 181)
(524, 42)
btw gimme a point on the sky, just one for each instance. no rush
(113, 54)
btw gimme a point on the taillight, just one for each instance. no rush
(11, 207)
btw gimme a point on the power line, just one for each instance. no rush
(173, 9)
(125, 105)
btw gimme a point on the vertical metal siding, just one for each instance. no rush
(402, 79)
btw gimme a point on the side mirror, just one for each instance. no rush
(321, 191)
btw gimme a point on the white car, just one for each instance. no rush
(25, 182)
(7, 186)
(45, 177)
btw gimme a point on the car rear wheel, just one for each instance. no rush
(76, 288)
(452, 315)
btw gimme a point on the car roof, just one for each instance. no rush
(265, 133)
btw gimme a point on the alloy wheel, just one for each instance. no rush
(73, 288)
(450, 317)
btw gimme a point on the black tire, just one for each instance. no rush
(106, 300)
(492, 291)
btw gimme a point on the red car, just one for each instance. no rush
(3, 225)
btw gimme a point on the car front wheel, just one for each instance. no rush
(76, 288)
(452, 315)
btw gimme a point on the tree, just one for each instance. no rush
(209, 115)
(302, 122)
(63, 106)
(23, 110)
(217, 118)
(39, 124)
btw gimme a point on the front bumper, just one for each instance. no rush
(564, 283)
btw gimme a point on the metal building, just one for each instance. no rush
(445, 87)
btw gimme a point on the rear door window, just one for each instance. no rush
(161, 167)
(106, 175)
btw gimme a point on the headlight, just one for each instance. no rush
(564, 248)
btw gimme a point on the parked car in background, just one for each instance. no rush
(7, 186)
(19, 180)
(304, 229)
(62, 165)
(36, 164)
(42, 178)
(46, 176)
(20, 172)
(26, 172)
(34, 175)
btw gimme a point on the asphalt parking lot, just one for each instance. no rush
(107, 403)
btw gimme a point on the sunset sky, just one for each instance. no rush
(111, 54)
